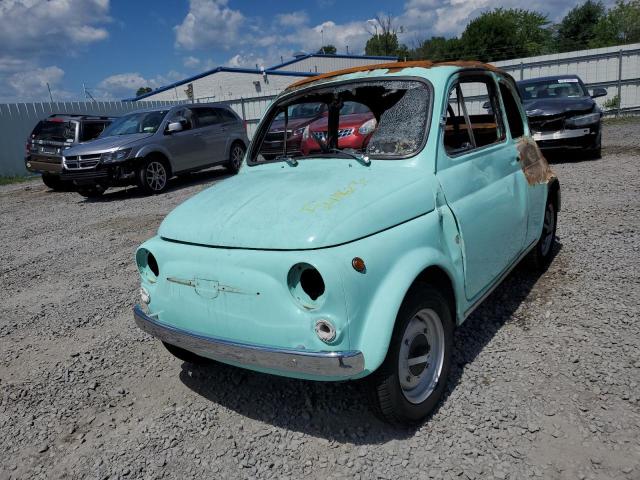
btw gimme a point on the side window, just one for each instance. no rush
(514, 118)
(226, 115)
(185, 116)
(472, 119)
(206, 116)
(91, 130)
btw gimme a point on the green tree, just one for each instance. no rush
(384, 38)
(438, 49)
(577, 30)
(620, 25)
(142, 91)
(328, 50)
(505, 33)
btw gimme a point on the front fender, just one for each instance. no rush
(155, 148)
(394, 258)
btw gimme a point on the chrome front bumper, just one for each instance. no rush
(561, 134)
(344, 364)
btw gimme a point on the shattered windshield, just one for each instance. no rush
(378, 119)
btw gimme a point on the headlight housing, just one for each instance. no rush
(298, 131)
(115, 156)
(583, 120)
(367, 127)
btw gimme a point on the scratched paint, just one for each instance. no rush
(335, 198)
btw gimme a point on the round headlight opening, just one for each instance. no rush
(153, 264)
(306, 285)
(312, 283)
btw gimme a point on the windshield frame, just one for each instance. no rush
(122, 119)
(290, 97)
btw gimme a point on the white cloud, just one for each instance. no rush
(191, 62)
(293, 19)
(37, 27)
(246, 61)
(125, 85)
(209, 23)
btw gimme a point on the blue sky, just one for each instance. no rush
(116, 46)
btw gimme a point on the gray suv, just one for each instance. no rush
(148, 147)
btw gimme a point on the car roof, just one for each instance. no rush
(180, 105)
(393, 67)
(80, 116)
(547, 78)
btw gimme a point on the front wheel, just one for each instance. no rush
(153, 176)
(413, 376)
(236, 155)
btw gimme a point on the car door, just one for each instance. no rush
(182, 146)
(484, 186)
(213, 133)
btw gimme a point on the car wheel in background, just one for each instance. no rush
(94, 191)
(541, 255)
(413, 376)
(186, 355)
(236, 155)
(153, 176)
(54, 182)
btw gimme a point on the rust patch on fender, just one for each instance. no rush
(535, 167)
(392, 67)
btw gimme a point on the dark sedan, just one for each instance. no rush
(562, 114)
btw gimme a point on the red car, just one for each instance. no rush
(299, 117)
(355, 127)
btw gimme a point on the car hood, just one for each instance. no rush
(558, 106)
(292, 123)
(319, 203)
(105, 144)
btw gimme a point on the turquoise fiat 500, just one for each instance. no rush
(420, 190)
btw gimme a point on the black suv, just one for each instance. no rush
(52, 135)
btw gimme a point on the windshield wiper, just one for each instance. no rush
(363, 159)
(290, 160)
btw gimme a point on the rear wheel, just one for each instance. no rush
(413, 376)
(186, 355)
(153, 176)
(236, 155)
(540, 256)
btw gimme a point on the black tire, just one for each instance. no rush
(186, 355)
(54, 182)
(236, 155)
(541, 255)
(153, 175)
(94, 191)
(388, 397)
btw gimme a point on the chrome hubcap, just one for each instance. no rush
(421, 356)
(237, 155)
(548, 228)
(156, 176)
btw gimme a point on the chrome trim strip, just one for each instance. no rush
(330, 364)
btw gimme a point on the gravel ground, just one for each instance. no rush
(545, 381)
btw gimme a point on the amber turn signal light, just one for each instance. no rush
(358, 264)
